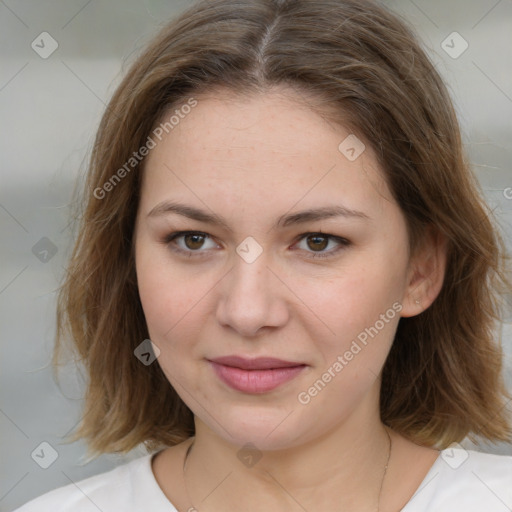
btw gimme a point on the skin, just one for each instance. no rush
(251, 160)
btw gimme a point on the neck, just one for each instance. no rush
(343, 469)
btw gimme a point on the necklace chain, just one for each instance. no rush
(381, 484)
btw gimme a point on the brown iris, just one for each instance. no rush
(324, 240)
(197, 239)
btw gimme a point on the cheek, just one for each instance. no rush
(350, 361)
(171, 299)
(159, 292)
(360, 293)
(360, 311)
(165, 309)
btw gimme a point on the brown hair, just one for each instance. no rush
(443, 377)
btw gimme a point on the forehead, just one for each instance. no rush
(262, 147)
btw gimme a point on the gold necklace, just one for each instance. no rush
(381, 484)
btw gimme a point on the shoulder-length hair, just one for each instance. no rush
(442, 380)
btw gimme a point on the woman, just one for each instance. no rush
(286, 279)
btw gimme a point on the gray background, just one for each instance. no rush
(50, 109)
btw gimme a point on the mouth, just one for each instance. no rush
(255, 375)
(258, 363)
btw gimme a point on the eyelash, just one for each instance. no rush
(168, 239)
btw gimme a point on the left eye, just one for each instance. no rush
(194, 240)
(320, 241)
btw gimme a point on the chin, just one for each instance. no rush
(267, 431)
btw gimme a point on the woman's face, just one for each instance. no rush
(261, 284)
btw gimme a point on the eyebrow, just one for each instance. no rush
(314, 214)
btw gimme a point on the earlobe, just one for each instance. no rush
(426, 274)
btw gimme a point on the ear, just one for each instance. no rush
(425, 274)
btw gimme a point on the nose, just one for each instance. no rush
(252, 297)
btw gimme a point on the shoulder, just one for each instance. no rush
(467, 480)
(108, 488)
(130, 486)
(467, 467)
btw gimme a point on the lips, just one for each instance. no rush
(258, 375)
(259, 363)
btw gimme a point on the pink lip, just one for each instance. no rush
(270, 374)
(259, 363)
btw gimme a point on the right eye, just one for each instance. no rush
(192, 241)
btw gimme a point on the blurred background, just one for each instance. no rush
(60, 63)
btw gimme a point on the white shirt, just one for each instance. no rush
(459, 480)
